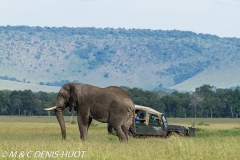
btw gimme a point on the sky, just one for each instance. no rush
(215, 17)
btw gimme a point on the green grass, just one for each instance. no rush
(39, 134)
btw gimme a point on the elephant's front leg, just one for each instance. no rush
(83, 123)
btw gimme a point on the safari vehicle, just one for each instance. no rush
(149, 122)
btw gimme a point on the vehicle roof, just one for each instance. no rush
(150, 110)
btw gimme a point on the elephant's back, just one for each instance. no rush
(117, 92)
(109, 95)
(122, 97)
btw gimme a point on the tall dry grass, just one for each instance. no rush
(43, 134)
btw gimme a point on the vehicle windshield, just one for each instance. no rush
(164, 120)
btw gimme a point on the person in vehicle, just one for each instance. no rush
(142, 118)
(136, 118)
(152, 120)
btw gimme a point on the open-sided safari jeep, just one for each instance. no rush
(149, 122)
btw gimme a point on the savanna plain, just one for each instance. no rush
(40, 138)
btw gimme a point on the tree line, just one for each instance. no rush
(206, 101)
(26, 103)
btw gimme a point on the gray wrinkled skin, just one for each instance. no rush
(109, 105)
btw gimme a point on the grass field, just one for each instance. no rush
(40, 137)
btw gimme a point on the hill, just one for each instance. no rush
(143, 58)
(10, 85)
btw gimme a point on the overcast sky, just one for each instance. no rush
(216, 17)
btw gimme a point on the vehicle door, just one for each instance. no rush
(140, 124)
(154, 127)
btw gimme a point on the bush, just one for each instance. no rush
(202, 124)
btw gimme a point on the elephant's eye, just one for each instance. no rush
(62, 95)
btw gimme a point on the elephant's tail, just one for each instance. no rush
(129, 119)
(130, 115)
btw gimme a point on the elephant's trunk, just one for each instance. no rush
(61, 122)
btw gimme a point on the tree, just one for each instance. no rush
(15, 101)
(171, 102)
(195, 100)
(212, 104)
(5, 101)
(37, 106)
(204, 90)
(28, 99)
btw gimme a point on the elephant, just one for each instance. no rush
(110, 105)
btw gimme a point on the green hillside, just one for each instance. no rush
(148, 59)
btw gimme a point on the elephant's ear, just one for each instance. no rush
(73, 97)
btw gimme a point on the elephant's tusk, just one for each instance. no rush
(51, 108)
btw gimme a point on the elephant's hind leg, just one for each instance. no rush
(121, 135)
(125, 131)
